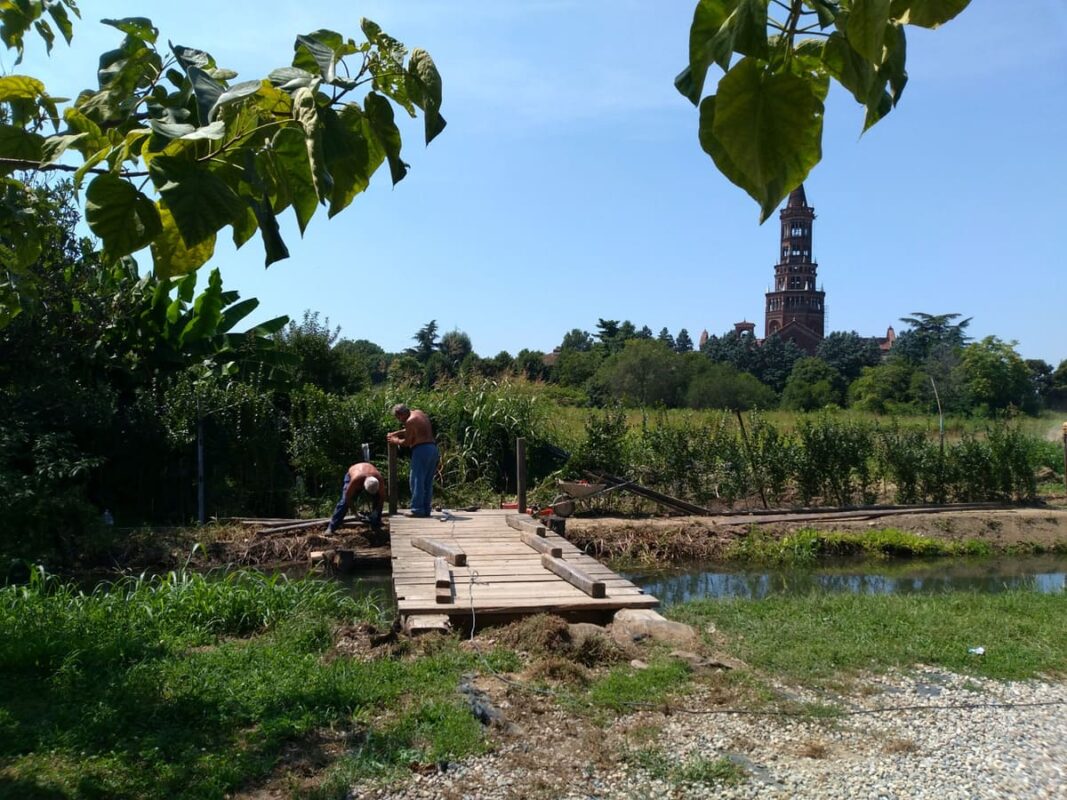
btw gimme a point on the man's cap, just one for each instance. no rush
(371, 485)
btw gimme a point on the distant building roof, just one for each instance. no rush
(797, 198)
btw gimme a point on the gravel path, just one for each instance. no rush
(968, 753)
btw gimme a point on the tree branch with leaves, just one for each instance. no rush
(176, 151)
(763, 124)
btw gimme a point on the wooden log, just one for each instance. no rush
(520, 473)
(520, 524)
(574, 576)
(394, 490)
(426, 623)
(541, 545)
(442, 577)
(295, 526)
(454, 553)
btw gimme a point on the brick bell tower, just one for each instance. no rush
(796, 310)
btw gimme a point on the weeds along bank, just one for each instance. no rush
(283, 455)
(184, 686)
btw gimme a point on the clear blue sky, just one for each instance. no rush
(569, 184)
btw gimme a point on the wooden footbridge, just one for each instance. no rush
(482, 566)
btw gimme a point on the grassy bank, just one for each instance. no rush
(192, 687)
(817, 637)
(810, 545)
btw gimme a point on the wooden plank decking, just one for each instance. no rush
(502, 576)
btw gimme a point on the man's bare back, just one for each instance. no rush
(417, 428)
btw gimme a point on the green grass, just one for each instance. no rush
(624, 686)
(186, 687)
(695, 770)
(813, 638)
(809, 545)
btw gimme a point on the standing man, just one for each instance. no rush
(418, 435)
(361, 477)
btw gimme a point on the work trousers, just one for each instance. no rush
(423, 466)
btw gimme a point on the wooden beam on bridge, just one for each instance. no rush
(541, 545)
(453, 552)
(574, 576)
(521, 523)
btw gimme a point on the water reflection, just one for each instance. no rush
(1032, 573)
(376, 584)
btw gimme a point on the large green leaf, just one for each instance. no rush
(200, 201)
(927, 13)
(138, 27)
(306, 112)
(352, 154)
(748, 28)
(124, 218)
(190, 57)
(269, 231)
(380, 116)
(292, 171)
(169, 253)
(14, 87)
(706, 47)
(207, 312)
(62, 21)
(207, 91)
(290, 78)
(713, 147)
(311, 50)
(770, 126)
(320, 51)
(866, 28)
(18, 145)
(851, 70)
(236, 313)
(424, 87)
(237, 92)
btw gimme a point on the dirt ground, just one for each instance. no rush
(689, 538)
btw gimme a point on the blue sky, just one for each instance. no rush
(569, 184)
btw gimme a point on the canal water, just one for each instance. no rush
(695, 581)
(993, 574)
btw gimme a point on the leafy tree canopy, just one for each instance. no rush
(173, 150)
(682, 343)
(425, 341)
(849, 353)
(762, 126)
(930, 335)
(577, 339)
(813, 384)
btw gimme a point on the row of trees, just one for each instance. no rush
(109, 380)
(932, 365)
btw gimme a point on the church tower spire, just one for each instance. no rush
(795, 308)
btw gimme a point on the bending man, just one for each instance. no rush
(418, 435)
(362, 477)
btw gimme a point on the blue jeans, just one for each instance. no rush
(342, 505)
(423, 466)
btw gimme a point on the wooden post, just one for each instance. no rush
(520, 472)
(1065, 457)
(393, 488)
